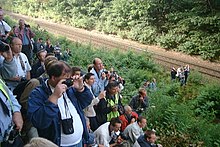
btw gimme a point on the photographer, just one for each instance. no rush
(10, 118)
(101, 79)
(7, 64)
(108, 107)
(55, 108)
(57, 51)
(24, 33)
(19, 69)
(139, 103)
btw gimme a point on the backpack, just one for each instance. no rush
(19, 89)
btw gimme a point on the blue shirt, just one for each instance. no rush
(25, 38)
(99, 84)
(5, 120)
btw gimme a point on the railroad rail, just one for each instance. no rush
(79, 35)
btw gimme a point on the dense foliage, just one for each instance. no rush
(190, 26)
(182, 116)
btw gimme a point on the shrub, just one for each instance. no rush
(208, 101)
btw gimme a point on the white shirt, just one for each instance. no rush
(76, 137)
(20, 71)
(89, 111)
(102, 135)
(133, 131)
(4, 27)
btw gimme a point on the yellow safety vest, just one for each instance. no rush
(111, 103)
(5, 91)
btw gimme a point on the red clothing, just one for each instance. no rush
(20, 33)
(124, 120)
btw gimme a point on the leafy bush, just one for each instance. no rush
(208, 101)
(196, 78)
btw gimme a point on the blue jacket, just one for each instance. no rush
(45, 115)
(144, 143)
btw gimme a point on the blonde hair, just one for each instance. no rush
(49, 60)
(40, 142)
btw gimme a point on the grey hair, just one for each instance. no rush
(40, 142)
(127, 107)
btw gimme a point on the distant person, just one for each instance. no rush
(48, 61)
(39, 65)
(153, 85)
(57, 51)
(173, 73)
(49, 46)
(140, 102)
(146, 84)
(101, 79)
(67, 54)
(186, 72)
(180, 75)
(38, 45)
(25, 34)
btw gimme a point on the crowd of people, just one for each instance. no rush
(45, 101)
(181, 74)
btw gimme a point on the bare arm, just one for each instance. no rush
(17, 119)
(28, 76)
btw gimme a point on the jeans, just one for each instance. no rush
(76, 145)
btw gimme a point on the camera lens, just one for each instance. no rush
(3, 47)
(68, 82)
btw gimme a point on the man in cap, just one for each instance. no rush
(37, 67)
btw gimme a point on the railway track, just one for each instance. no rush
(164, 58)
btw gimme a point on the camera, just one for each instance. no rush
(68, 82)
(3, 47)
(57, 49)
(105, 71)
(140, 110)
(11, 134)
(27, 25)
(67, 126)
(23, 79)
